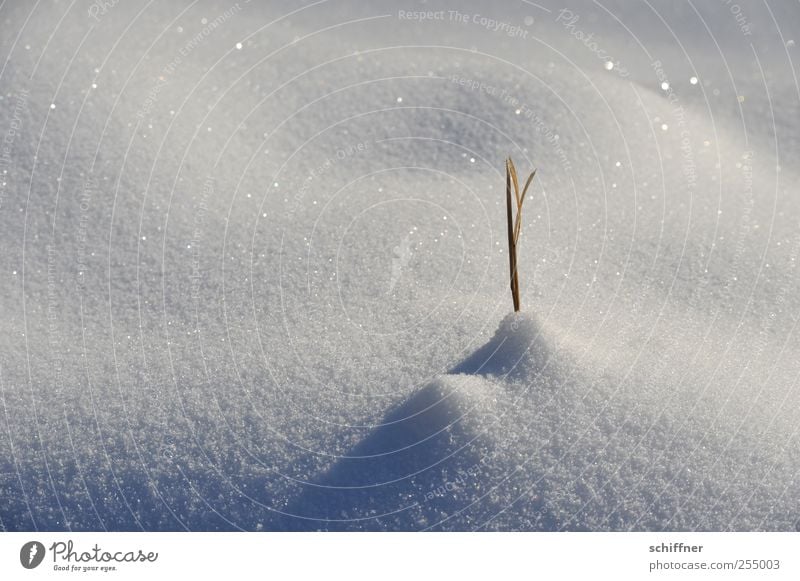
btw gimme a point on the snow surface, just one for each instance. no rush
(254, 275)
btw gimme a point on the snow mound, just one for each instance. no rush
(521, 437)
(387, 480)
(517, 349)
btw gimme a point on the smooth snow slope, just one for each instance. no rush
(263, 285)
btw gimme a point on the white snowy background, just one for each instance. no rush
(253, 265)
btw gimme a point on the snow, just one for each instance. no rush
(255, 268)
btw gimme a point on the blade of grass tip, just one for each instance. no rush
(525, 189)
(518, 224)
(516, 183)
(513, 171)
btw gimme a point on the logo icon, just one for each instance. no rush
(31, 554)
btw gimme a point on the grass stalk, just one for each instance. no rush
(514, 224)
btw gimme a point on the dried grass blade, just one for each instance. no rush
(516, 183)
(525, 189)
